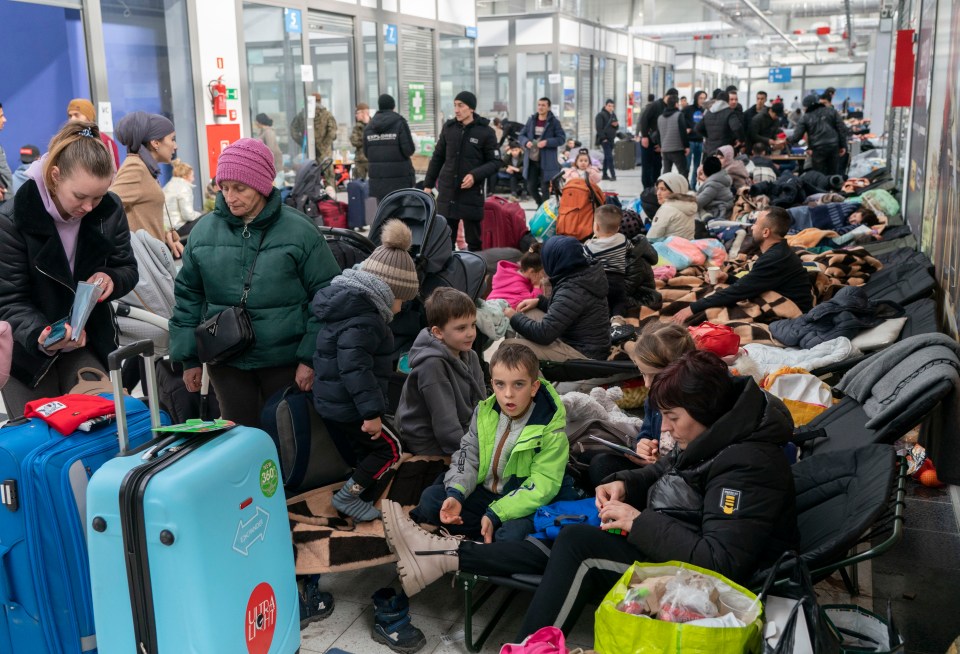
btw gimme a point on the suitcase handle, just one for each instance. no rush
(114, 362)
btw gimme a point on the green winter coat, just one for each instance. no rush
(294, 263)
(536, 464)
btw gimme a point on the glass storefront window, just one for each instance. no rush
(53, 66)
(457, 71)
(620, 97)
(391, 67)
(536, 80)
(371, 64)
(332, 56)
(273, 73)
(494, 94)
(148, 59)
(569, 64)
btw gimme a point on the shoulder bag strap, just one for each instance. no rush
(253, 264)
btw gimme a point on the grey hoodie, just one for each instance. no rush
(439, 397)
(714, 196)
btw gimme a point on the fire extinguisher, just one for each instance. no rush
(218, 95)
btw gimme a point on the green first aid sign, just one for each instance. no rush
(417, 108)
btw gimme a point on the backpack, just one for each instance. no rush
(331, 214)
(577, 203)
(309, 189)
(549, 520)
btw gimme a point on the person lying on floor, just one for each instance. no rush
(512, 459)
(723, 499)
(839, 217)
(659, 345)
(574, 323)
(778, 268)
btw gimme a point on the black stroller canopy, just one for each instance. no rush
(432, 246)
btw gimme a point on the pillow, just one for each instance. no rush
(880, 336)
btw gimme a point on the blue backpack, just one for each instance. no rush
(550, 519)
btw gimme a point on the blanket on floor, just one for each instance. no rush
(325, 541)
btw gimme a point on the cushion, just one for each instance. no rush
(880, 336)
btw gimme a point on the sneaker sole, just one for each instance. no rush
(404, 649)
(407, 568)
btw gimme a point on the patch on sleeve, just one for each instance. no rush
(730, 500)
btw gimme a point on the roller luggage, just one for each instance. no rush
(189, 545)
(331, 213)
(361, 208)
(504, 223)
(44, 575)
(625, 154)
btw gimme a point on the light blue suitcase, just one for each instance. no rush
(190, 549)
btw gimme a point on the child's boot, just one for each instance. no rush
(347, 500)
(315, 604)
(391, 614)
(422, 557)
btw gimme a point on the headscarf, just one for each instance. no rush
(562, 255)
(139, 128)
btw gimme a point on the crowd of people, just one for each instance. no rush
(328, 331)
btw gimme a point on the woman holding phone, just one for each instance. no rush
(63, 227)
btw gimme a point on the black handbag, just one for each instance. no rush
(229, 333)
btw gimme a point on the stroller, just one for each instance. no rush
(144, 314)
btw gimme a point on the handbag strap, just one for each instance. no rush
(253, 264)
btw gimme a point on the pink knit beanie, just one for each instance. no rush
(249, 162)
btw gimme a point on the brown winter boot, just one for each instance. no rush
(422, 557)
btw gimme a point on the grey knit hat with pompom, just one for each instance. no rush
(392, 262)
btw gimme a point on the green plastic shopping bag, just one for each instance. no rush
(616, 632)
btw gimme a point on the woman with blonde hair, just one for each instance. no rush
(178, 194)
(63, 227)
(659, 345)
(150, 140)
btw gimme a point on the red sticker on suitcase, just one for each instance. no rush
(261, 619)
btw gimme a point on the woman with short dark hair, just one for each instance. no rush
(722, 500)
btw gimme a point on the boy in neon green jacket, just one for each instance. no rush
(512, 459)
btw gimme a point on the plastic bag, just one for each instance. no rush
(690, 596)
(543, 224)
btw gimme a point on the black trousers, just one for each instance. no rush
(650, 165)
(242, 393)
(608, 169)
(583, 564)
(616, 294)
(676, 159)
(826, 160)
(537, 186)
(370, 458)
(472, 233)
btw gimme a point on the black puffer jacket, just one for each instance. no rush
(463, 150)
(641, 286)
(847, 313)
(577, 313)
(720, 126)
(823, 128)
(727, 501)
(37, 287)
(354, 356)
(388, 145)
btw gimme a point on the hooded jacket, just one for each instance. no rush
(577, 313)
(714, 197)
(734, 167)
(510, 285)
(388, 144)
(675, 217)
(641, 286)
(823, 128)
(692, 115)
(37, 287)
(439, 396)
(535, 466)
(606, 131)
(354, 350)
(554, 136)
(463, 150)
(294, 263)
(727, 501)
(720, 126)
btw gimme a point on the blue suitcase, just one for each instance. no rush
(44, 575)
(190, 549)
(358, 204)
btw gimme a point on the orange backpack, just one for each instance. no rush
(577, 201)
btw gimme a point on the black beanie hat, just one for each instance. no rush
(386, 102)
(467, 98)
(711, 166)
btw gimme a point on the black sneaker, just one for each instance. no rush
(315, 604)
(392, 625)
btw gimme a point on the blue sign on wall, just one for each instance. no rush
(390, 34)
(471, 32)
(780, 75)
(292, 21)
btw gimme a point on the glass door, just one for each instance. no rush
(332, 57)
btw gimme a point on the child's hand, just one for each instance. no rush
(486, 529)
(525, 305)
(450, 512)
(648, 450)
(372, 427)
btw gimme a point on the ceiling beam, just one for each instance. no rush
(752, 7)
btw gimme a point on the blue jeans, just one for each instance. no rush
(472, 511)
(693, 162)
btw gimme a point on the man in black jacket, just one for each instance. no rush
(778, 268)
(765, 126)
(465, 155)
(720, 126)
(650, 161)
(826, 135)
(758, 108)
(607, 124)
(388, 144)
